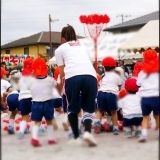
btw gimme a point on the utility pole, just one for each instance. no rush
(50, 33)
(123, 16)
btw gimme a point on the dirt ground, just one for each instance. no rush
(109, 147)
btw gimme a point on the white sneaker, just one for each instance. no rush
(77, 142)
(89, 138)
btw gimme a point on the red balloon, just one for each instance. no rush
(94, 19)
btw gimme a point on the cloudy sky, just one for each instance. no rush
(21, 18)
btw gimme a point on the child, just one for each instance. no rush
(25, 97)
(5, 87)
(107, 94)
(148, 81)
(130, 105)
(120, 72)
(137, 68)
(11, 97)
(41, 91)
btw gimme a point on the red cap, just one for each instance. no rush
(109, 62)
(3, 72)
(150, 64)
(130, 85)
(56, 73)
(122, 93)
(137, 68)
(27, 67)
(40, 67)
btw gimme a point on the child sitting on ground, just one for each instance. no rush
(131, 108)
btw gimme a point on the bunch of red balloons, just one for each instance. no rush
(94, 19)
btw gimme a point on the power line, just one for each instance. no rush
(123, 16)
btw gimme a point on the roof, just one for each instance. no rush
(147, 37)
(140, 21)
(38, 38)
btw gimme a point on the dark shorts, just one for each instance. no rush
(64, 103)
(107, 102)
(57, 103)
(150, 104)
(3, 109)
(136, 121)
(42, 109)
(13, 102)
(25, 106)
(87, 86)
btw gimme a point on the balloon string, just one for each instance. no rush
(84, 31)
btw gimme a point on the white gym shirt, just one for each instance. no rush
(130, 105)
(149, 84)
(75, 58)
(110, 82)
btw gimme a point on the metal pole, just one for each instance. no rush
(50, 36)
(95, 51)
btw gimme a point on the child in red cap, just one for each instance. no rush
(25, 97)
(10, 98)
(107, 95)
(42, 105)
(148, 82)
(137, 68)
(131, 108)
(5, 86)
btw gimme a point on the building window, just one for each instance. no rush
(26, 51)
(7, 51)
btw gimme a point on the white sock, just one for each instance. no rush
(144, 132)
(23, 126)
(109, 120)
(69, 129)
(127, 129)
(4, 115)
(115, 127)
(138, 128)
(11, 122)
(50, 132)
(79, 122)
(65, 117)
(56, 114)
(35, 132)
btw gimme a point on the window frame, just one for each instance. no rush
(8, 51)
(25, 49)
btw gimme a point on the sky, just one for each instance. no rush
(21, 18)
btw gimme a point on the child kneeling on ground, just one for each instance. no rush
(131, 108)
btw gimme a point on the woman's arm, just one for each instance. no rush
(62, 75)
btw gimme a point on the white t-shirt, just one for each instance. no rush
(130, 105)
(5, 85)
(110, 83)
(42, 89)
(149, 84)
(23, 84)
(75, 58)
(56, 94)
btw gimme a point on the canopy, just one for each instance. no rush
(146, 38)
(108, 45)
